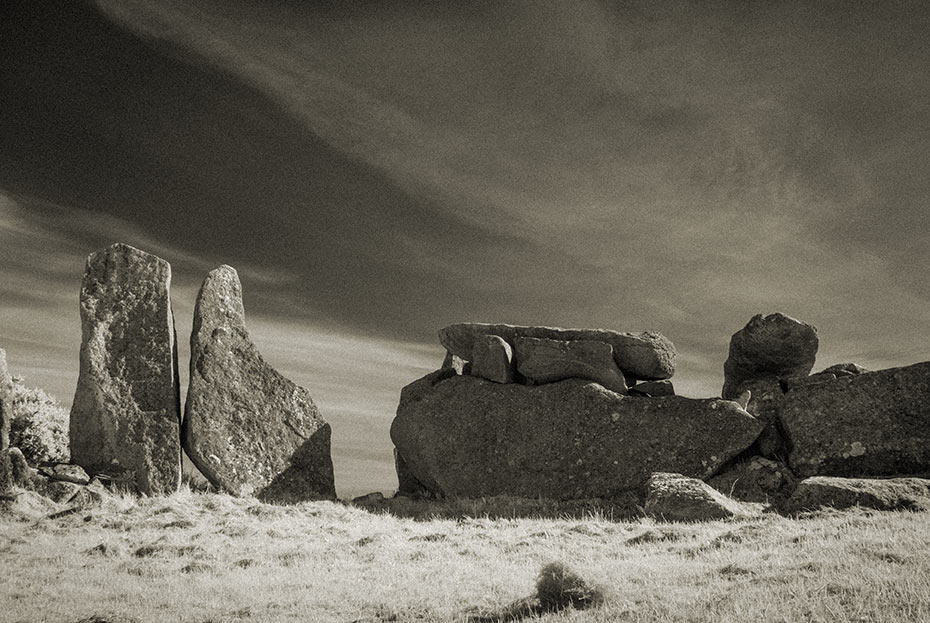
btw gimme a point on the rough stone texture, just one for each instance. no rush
(493, 359)
(126, 413)
(756, 480)
(56, 490)
(843, 369)
(456, 364)
(407, 484)
(880, 494)
(6, 417)
(765, 399)
(248, 429)
(871, 424)
(66, 473)
(466, 437)
(545, 361)
(773, 347)
(19, 468)
(649, 356)
(654, 388)
(674, 497)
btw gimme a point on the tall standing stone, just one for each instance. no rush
(6, 417)
(126, 416)
(248, 429)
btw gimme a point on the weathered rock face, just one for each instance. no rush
(870, 424)
(881, 494)
(648, 356)
(493, 359)
(765, 400)
(843, 369)
(126, 414)
(654, 388)
(466, 437)
(6, 417)
(674, 497)
(773, 347)
(756, 480)
(544, 361)
(248, 429)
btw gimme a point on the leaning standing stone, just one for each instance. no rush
(248, 429)
(126, 416)
(6, 416)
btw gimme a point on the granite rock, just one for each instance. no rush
(126, 413)
(673, 497)
(880, 494)
(467, 437)
(493, 359)
(870, 424)
(649, 355)
(248, 429)
(773, 347)
(543, 361)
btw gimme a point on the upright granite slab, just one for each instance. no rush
(649, 356)
(126, 416)
(869, 424)
(248, 429)
(6, 418)
(462, 436)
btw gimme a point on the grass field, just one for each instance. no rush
(213, 558)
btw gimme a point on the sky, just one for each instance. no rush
(376, 171)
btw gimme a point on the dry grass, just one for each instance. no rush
(212, 558)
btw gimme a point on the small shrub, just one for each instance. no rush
(39, 426)
(559, 587)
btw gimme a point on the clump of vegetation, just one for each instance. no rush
(39, 426)
(558, 587)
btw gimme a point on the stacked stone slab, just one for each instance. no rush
(248, 429)
(6, 416)
(125, 419)
(565, 428)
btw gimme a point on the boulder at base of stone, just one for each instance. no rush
(6, 418)
(674, 497)
(881, 494)
(248, 429)
(466, 437)
(756, 480)
(493, 359)
(126, 415)
(769, 347)
(649, 355)
(870, 424)
(544, 361)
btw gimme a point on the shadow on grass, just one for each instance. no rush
(503, 507)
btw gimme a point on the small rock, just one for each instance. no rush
(653, 388)
(559, 587)
(21, 472)
(674, 497)
(756, 480)
(546, 361)
(456, 364)
(59, 491)
(493, 359)
(880, 494)
(66, 473)
(843, 369)
(773, 347)
(373, 498)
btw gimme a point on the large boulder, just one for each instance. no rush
(881, 494)
(673, 497)
(126, 416)
(649, 355)
(870, 424)
(6, 417)
(544, 361)
(463, 436)
(248, 429)
(756, 479)
(774, 347)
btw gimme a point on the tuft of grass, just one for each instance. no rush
(558, 587)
